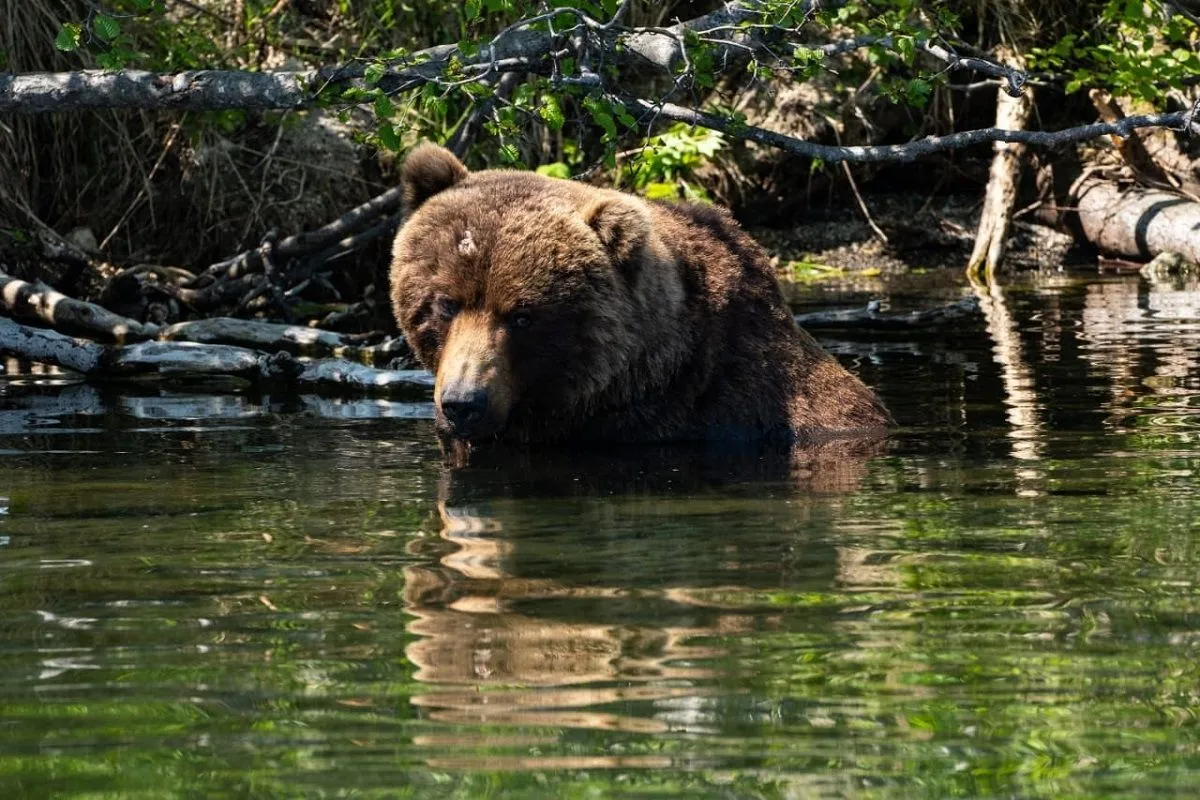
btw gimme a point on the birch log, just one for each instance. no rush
(38, 302)
(1138, 223)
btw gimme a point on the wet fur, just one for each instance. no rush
(648, 321)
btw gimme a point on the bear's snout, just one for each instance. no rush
(465, 409)
(473, 391)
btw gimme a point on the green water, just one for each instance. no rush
(234, 595)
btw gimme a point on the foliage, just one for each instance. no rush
(664, 168)
(1139, 49)
(568, 115)
(1134, 48)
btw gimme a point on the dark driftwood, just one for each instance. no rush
(192, 360)
(871, 319)
(1138, 223)
(333, 238)
(900, 152)
(48, 347)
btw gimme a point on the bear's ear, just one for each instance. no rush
(622, 225)
(429, 169)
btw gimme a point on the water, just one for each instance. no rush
(218, 594)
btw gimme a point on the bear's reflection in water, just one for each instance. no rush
(584, 589)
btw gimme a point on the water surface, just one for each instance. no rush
(207, 593)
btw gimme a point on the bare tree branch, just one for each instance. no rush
(516, 48)
(901, 152)
(1014, 79)
(332, 236)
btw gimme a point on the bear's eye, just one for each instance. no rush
(520, 319)
(447, 307)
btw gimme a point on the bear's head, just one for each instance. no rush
(536, 301)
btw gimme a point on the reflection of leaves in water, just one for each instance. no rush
(281, 608)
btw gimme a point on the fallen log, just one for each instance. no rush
(193, 360)
(38, 302)
(1136, 222)
(49, 347)
(295, 339)
(871, 319)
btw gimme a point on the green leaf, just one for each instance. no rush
(509, 153)
(662, 191)
(388, 137)
(384, 108)
(918, 92)
(106, 27)
(68, 38)
(907, 48)
(110, 61)
(473, 7)
(374, 73)
(477, 90)
(551, 112)
(602, 117)
(555, 170)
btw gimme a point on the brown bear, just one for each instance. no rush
(551, 310)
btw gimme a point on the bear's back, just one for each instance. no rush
(767, 377)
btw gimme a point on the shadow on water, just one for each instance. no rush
(210, 592)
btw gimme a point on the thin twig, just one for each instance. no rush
(144, 191)
(862, 205)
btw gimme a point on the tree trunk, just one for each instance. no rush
(1004, 179)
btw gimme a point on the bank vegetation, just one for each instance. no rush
(221, 173)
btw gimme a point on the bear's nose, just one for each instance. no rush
(464, 408)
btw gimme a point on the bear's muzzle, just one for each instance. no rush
(473, 394)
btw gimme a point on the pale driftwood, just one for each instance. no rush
(190, 359)
(36, 301)
(256, 334)
(1138, 223)
(871, 319)
(29, 409)
(295, 339)
(1000, 200)
(171, 359)
(333, 373)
